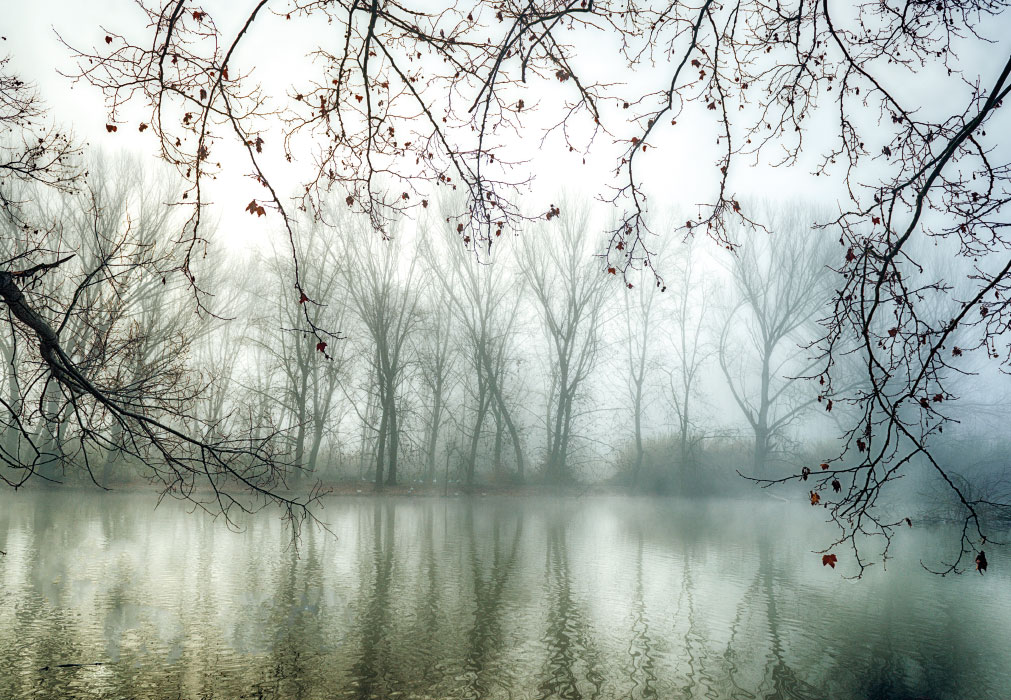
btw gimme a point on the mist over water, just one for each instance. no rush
(482, 598)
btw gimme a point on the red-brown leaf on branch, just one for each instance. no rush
(824, 465)
(111, 128)
(875, 220)
(611, 271)
(909, 522)
(829, 560)
(359, 98)
(198, 15)
(836, 486)
(142, 127)
(815, 498)
(861, 445)
(828, 406)
(892, 332)
(108, 39)
(254, 208)
(321, 346)
(850, 257)
(349, 200)
(804, 473)
(956, 351)
(302, 298)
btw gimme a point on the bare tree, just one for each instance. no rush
(87, 386)
(124, 325)
(437, 352)
(310, 370)
(384, 291)
(150, 311)
(780, 281)
(485, 302)
(690, 308)
(641, 326)
(560, 269)
(428, 98)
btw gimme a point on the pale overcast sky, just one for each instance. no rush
(676, 171)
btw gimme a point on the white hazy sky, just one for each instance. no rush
(671, 170)
(677, 172)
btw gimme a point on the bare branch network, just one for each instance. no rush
(395, 101)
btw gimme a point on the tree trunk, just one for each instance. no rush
(503, 411)
(761, 453)
(112, 456)
(514, 436)
(762, 436)
(381, 448)
(637, 408)
(317, 440)
(433, 431)
(300, 435)
(475, 438)
(497, 459)
(12, 436)
(391, 475)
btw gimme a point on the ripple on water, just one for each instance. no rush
(608, 598)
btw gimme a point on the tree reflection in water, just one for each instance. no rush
(572, 665)
(476, 599)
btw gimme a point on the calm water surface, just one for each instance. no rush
(430, 598)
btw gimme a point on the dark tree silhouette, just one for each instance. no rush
(399, 100)
(80, 342)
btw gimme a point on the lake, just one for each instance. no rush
(483, 598)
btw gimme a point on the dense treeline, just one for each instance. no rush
(527, 363)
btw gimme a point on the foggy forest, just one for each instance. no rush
(557, 349)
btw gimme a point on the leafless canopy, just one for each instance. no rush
(396, 99)
(82, 374)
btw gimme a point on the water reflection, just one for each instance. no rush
(640, 664)
(572, 666)
(477, 599)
